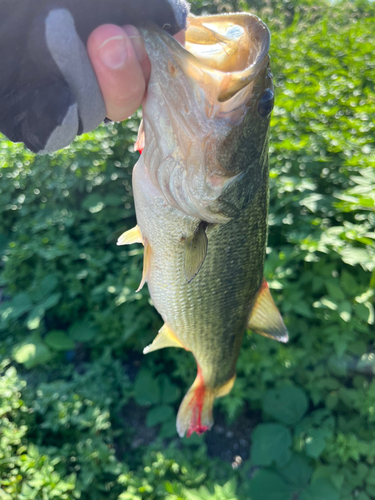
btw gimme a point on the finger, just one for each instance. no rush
(117, 68)
(180, 37)
(139, 49)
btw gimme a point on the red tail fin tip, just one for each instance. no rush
(195, 413)
(196, 405)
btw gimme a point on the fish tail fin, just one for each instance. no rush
(195, 413)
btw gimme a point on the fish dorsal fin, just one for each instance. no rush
(195, 251)
(165, 338)
(146, 264)
(265, 317)
(134, 235)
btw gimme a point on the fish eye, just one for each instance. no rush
(266, 103)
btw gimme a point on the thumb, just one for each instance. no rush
(122, 68)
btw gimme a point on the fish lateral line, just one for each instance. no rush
(265, 318)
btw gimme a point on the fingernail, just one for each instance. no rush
(112, 52)
(136, 40)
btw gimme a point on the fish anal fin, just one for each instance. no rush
(195, 413)
(134, 235)
(195, 251)
(265, 317)
(165, 338)
(146, 264)
(226, 388)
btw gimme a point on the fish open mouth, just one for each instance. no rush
(222, 59)
(197, 96)
(234, 44)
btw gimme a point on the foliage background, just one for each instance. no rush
(85, 415)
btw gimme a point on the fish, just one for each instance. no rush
(201, 198)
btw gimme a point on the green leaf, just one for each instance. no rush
(287, 404)
(59, 341)
(92, 201)
(370, 489)
(159, 415)
(363, 312)
(112, 200)
(345, 311)
(315, 430)
(82, 331)
(312, 202)
(169, 391)
(316, 442)
(297, 472)
(271, 444)
(3, 243)
(349, 284)
(32, 352)
(16, 307)
(226, 492)
(354, 256)
(327, 302)
(363, 496)
(366, 364)
(334, 289)
(4, 496)
(37, 314)
(321, 489)
(168, 430)
(45, 287)
(147, 389)
(266, 485)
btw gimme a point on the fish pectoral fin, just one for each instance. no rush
(146, 264)
(195, 251)
(265, 317)
(195, 412)
(134, 235)
(140, 142)
(165, 338)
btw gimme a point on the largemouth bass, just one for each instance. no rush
(201, 198)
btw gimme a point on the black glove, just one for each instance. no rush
(48, 89)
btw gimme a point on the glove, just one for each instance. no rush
(48, 89)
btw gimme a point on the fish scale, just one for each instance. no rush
(205, 227)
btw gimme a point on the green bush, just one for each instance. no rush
(84, 415)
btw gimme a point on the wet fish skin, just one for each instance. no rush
(201, 188)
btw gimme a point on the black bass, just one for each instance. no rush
(201, 198)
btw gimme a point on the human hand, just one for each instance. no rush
(49, 92)
(122, 67)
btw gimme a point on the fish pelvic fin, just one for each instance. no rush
(146, 264)
(134, 235)
(165, 338)
(195, 413)
(265, 317)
